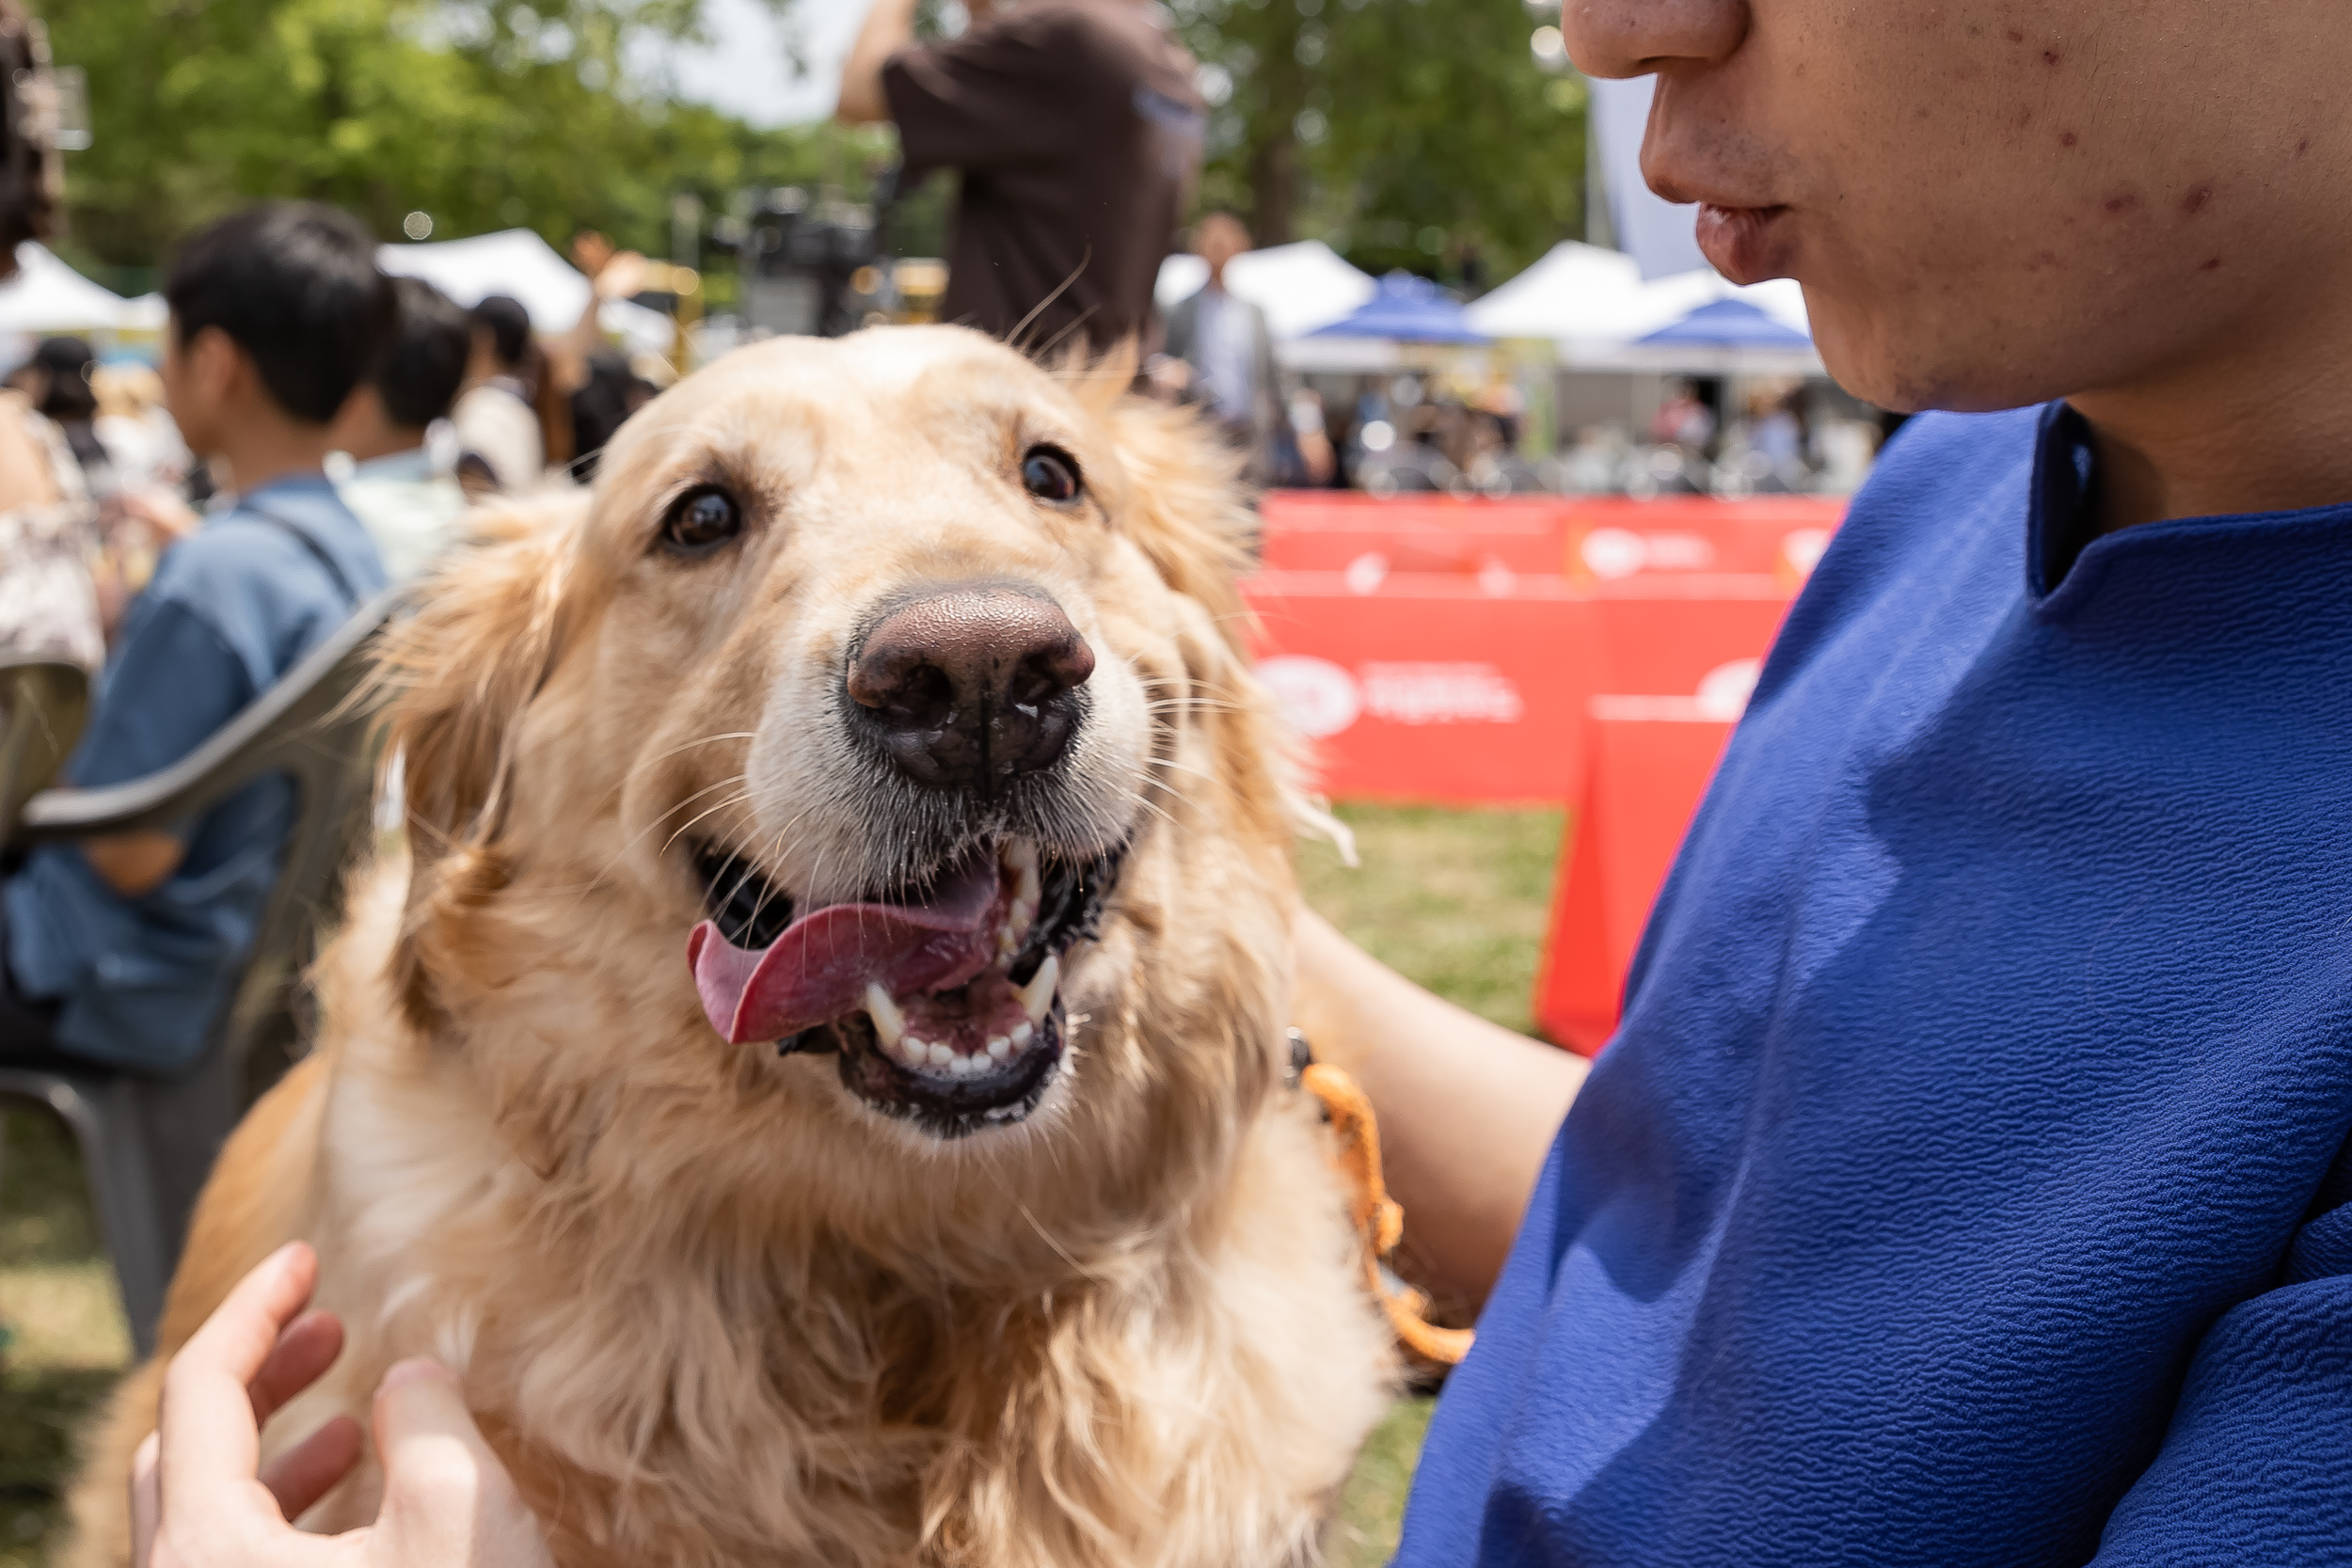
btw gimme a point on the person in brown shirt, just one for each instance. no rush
(1078, 133)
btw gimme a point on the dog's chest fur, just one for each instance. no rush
(716, 1388)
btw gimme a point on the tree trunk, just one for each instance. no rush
(1274, 186)
(1274, 174)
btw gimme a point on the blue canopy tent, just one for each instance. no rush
(1726, 337)
(1408, 309)
(1726, 324)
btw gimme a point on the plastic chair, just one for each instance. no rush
(149, 1143)
(42, 704)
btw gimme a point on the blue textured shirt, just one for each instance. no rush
(230, 610)
(1966, 1182)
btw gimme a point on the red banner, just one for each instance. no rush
(1649, 769)
(1614, 539)
(1428, 651)
(1589, 539)
(1431, 688)
(1699, 637)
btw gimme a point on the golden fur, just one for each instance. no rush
(709, 1307)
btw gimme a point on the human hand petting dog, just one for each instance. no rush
(201, 1499)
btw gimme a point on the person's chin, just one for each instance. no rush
(1897, 364)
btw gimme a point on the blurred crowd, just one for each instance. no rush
(314, 432)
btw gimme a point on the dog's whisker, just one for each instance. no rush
(707, 740)
(731, 800)
(1155, 809)
(621, 854)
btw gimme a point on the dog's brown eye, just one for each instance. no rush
(1050, 474)
(701, 520)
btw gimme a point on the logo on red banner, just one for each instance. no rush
(1321, 698)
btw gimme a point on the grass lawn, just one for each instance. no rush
(1455, 899)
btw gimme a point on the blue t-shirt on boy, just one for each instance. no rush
(230, 610)
(1967, 1181)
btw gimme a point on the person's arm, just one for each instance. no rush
(889, 27)
(170, 684)
(611, 275)
(1467, 1109)
(201, 1499)
(2256, 1464)
(135, 864)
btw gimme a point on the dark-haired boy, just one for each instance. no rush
(409, 505)
(123, 949)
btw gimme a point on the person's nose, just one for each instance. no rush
(1636, 37)
(972, 685)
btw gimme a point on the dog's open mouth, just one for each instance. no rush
(945, 1005)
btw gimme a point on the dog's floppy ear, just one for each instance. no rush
(1187, 510)
(459, 672)
(1185, 506)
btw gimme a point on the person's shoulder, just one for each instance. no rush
(482, 401)
(1104, 32)
(215, 566)
(240, 550)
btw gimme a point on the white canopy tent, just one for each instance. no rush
(1299, 287)
(146, 313)
(46, 297)
(1575, 292)
(1594, 304)
(519, 264)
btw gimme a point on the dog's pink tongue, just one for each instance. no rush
(817, 971)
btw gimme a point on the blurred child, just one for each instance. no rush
(409, 505)
(123, 950)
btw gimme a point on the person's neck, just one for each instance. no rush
(2261, 424)
(265, 450)
(388, 442)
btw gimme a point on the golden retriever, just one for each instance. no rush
(818, 1073)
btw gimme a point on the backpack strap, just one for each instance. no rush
(318, 552)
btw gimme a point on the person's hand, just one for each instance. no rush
(166, 519)
(200, 1498)
(622, 274)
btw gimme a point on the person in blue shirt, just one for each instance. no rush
(123, 950)
(1967, 1183)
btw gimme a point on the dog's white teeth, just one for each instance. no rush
(999, 1047)
(1038, 994)
(1022, 1034)
(1020, 857)
(890, 1024)
(941, 1055)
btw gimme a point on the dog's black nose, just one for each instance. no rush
(971, 686)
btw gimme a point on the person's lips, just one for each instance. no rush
(1746, 244)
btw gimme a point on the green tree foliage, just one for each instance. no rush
(480, 116)
(1405, 133)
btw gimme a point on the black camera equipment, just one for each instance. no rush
(816, 269)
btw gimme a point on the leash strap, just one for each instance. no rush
(1379, 1223)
